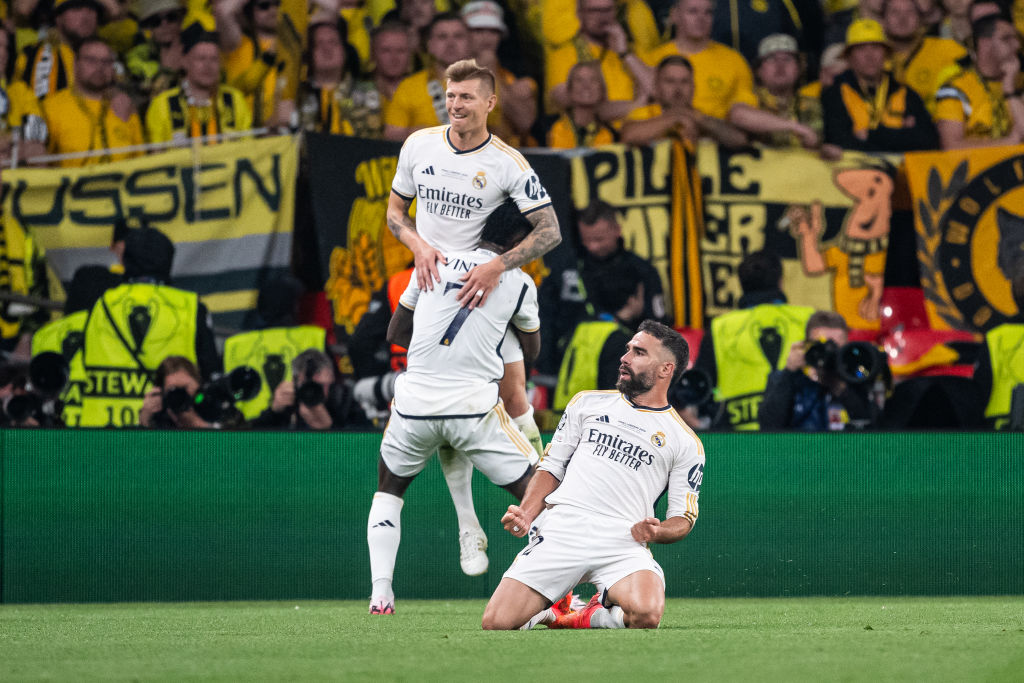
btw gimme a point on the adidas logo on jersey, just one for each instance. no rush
(603, 418)
(429, 170)
(386, 522)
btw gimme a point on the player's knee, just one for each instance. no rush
(493, 622)
(646, 618)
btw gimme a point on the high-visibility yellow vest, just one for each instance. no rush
(130, 331)
(579, 368)
(269, 352)
(749, 344)
(1006, 349)
(65, 336)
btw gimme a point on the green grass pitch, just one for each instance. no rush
(811, 639)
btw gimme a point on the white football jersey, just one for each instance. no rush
(456, 191)
(454, 357)
(616, 459)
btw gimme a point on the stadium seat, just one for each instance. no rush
(903, 308)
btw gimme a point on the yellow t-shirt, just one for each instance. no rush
(979, 105)
(359, 27)
(920, 70)
(722, 77)
(564, 134)
(560, 23)
(79, 124)
(617, 79)
(170, 117)
(418, 102)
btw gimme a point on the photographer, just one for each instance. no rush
(810, 394)
(170, 404)
(306, 401)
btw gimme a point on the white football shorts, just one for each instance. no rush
(569, 545)
(493, 443)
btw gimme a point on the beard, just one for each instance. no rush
(635, 385)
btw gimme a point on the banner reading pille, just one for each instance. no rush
(350, 182)
(970, 230)
(829, 221)
(229, 210)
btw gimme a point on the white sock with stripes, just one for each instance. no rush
(383, 534)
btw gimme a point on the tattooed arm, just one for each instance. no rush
(544, 237)
(403, 227)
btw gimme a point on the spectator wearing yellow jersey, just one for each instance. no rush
(48, 65)
(200, 106)
(917, 60)
(91, 116)
(581, 124)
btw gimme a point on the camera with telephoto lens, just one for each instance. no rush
(48, 375)
(216, 399)
(855, 362)
(310, 393)
(694, 388)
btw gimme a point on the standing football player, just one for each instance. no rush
(459, 174)
(589, 509)
(448, 395)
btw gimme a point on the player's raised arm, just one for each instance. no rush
(403, 227)
(544, 237)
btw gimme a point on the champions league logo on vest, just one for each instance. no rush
(618, 450)
(447, 204)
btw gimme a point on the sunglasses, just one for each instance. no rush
(267, 4)
(170, 17)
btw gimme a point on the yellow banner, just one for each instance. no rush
(829, 221)
(229, 209)
(655, 190)
(970, 233)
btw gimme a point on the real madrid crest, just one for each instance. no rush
(480, 180)
(658, 439)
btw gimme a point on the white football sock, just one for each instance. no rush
(458, 474)
(383, 534)
(528, 427)
(607, 618)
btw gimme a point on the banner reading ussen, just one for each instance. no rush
(829, 221)
(969, 214)
(228, 208)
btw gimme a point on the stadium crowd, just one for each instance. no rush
(93, 81)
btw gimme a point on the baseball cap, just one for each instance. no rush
(777, 42)
(62, 5)
(484, 14)
(864, 32)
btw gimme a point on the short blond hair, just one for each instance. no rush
(468, 70)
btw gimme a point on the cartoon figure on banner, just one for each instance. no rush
(857, 257)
